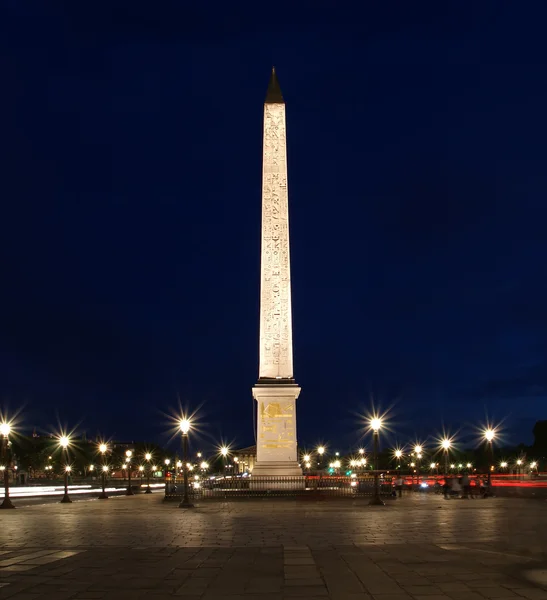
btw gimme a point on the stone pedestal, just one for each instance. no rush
(276, 484)
(276, 449)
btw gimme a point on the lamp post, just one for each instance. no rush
(103, 449)
(148, 458)
(129, 454)
(445, 445)
(102, 495)
(5, 429)
(375, 424)
(64, 442)
(185, 428)
(418, 451)
(321, 452)
(489, 435)
(398, 454)
(224, 453)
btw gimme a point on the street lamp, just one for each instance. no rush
(375, 424)
(128, 454)
(398, 454)
(64, 442)
(446, 444)
(102, 495)
(489, 435)
(5, 429)
(148, 458)
(103, 449)
(418, 449)
(185, 426)
(224, 452)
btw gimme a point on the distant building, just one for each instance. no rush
(246, 458)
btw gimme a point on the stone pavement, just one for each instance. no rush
(418, 548)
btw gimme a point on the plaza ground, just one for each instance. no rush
(418, 548)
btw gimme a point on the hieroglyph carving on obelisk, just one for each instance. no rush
(275, 294)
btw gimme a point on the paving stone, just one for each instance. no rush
(310, 581)
(306, 591)
(422, 590)
(453, 586)
(497, 592)
(532, 593)
(300, 572)
(264, 584)
(400, 596)
(348, 596)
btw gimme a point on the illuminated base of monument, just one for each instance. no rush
(276, 453)
(275, 468)
(276, 483)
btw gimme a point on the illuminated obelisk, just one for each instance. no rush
(276, 391)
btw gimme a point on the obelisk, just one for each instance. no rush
(276, 391)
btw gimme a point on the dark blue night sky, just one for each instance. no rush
(131, 197)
